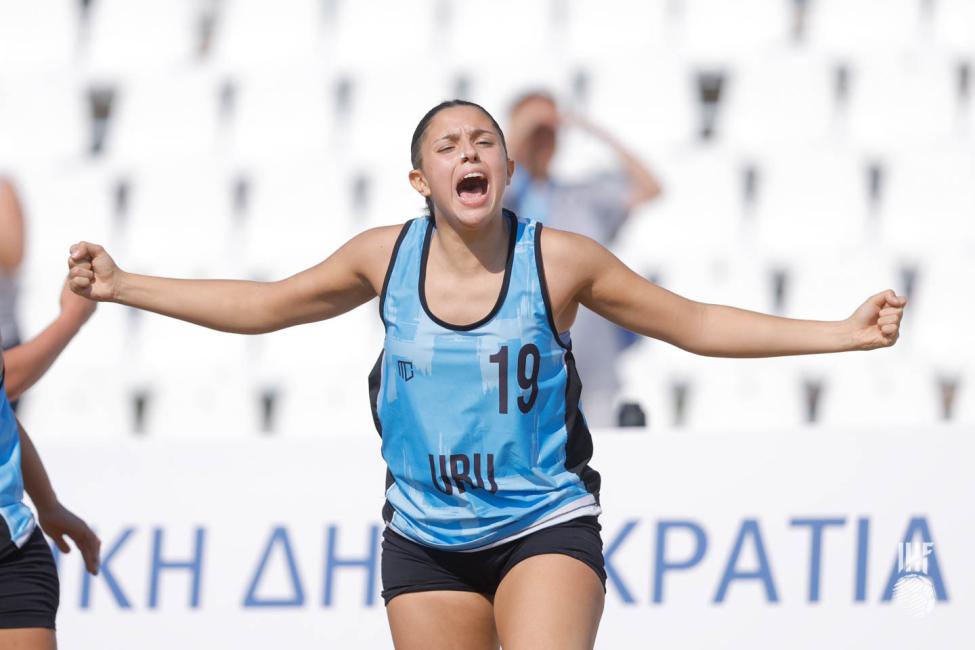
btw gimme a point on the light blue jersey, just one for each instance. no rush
(481, 426)
(16, 519)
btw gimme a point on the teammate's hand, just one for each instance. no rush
(57, 521)
(75, 308)
(876, 323)
(93, 273)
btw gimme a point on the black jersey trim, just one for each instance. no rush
(375, 381)
(389, 269)
(512, 239)
(578, 442)
(540, 268)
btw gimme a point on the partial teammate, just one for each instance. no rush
(492, 509)
(29, 587)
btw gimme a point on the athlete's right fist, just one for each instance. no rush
(92, 272)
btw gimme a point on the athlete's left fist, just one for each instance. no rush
(876, 323)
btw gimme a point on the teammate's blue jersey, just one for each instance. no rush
(481, 426)
(16, 519)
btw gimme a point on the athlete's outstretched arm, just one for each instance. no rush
(348, 278)
(54, 519)
(601, 282)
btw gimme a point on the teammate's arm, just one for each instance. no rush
(601, 282)
(54, 519)
(348, 278)
(27, 362)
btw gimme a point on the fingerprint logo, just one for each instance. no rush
(914, 593)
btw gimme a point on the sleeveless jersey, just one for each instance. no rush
(481, 426)
(16, 519)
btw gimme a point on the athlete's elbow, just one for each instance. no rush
(693, 331)
(263, 312)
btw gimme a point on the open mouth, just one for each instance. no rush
(472, 189)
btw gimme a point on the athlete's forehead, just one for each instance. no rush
(455, 121)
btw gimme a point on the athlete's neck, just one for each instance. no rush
(469, 251)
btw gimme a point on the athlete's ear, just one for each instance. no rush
(419, 182)
(511, 170)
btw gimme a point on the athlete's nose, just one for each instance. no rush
(468, 152)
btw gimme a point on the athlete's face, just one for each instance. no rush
(464, 167)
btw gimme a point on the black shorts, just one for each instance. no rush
(29, 587)
(409, 567)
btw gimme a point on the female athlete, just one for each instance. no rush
(29, 587)
(491, 507)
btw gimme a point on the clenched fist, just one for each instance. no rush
(876, 323)
(92, 272)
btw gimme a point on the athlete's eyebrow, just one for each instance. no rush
(453, 136)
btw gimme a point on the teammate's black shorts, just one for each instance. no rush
(409, 567)
(29, 587)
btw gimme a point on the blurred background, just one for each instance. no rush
(805, 154)
(809, 154)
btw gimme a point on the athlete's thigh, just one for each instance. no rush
(28, 638)
(442, 620)
(549, 602)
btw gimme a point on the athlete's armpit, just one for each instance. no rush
(580, 271)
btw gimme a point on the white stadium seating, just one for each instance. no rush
(38, 35)
(260, 35)
(165, 116)
(846, 28)
(808, 157)
(44, 118)
(131, 39)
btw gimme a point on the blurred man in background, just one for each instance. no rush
(596, 207)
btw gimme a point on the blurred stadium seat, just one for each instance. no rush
(850, 28)
(930, 200)
(38, 35)
(275, 113)
(713, 32)
(43, 118)
(905, 100)
(815, 199)
(131, 39)
(172, 115)
(288, 33)
(953, 29)
(781, 102)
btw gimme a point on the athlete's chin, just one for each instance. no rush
(474, 217)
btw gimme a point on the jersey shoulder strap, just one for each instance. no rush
(406, 241)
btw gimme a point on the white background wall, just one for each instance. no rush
(238, 493)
